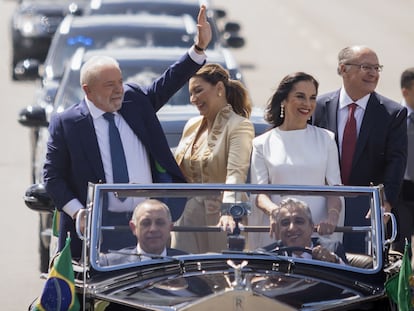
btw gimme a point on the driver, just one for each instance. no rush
(295, 228)
(151, 223)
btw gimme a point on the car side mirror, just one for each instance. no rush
(27, 69)
(37, 199)
(232, 27)
(219, 13)
(33, 116)
(234, 41)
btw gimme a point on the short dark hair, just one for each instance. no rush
(407, 77)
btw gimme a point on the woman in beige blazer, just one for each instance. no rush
(215, 148)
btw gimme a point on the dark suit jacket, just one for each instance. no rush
(73, 158)
(128, 255)
(381, 150)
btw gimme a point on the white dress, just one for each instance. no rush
(300, 157)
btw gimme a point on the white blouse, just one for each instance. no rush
(299, 157)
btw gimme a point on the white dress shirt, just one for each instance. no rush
(145, 256)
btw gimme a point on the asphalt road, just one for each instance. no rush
(282, 37)
(20, 281)
(302, 35)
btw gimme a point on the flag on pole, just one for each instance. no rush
(59, 290)
(398, 287)
(56, 223)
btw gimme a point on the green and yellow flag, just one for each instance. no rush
(56, 223)
(59, 290)
(399, 286)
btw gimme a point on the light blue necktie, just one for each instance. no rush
(119, 165)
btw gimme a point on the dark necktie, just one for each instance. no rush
(410, 154)
(348, 144)
(119, 166)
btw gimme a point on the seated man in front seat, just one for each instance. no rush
(151, 223)
(295, 228)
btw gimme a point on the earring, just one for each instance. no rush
(219, 94)
(282, 111)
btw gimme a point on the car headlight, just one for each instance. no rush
(31, 25)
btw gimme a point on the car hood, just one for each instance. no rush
(212, 283)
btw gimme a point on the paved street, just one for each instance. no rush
(282, 37)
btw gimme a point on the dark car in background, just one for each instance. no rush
(139, 65)
(33, 24)
(225, 32)
(112, 31)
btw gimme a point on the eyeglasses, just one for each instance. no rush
(367, 68)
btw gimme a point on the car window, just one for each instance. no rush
(64, 45)
(153, 7)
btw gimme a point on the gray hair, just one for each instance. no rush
(295, 203)
(151, 202)
(92, 67)
(348, 53)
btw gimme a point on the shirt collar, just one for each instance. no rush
(345, 100)
(95, 111)
(409, 109)
(142, 252)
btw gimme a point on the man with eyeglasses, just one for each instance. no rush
(371, 133)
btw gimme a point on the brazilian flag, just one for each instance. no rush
(56, 223)
(59, 290)
(399, 286)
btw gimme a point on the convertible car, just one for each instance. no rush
(238, 277)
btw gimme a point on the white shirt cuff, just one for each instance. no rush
(72, 207)
(198, 58)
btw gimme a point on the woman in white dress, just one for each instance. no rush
(294, 152)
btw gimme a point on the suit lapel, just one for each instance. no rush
(88, 140)
(332, 112)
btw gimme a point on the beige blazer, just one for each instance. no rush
(226, 156)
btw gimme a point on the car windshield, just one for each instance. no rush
(151, 7)
(237, 201)
(113, 37)
(174, 8)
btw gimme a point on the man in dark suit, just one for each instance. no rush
(151, 224)
(79, 148)
(405, 208)
(380, 151)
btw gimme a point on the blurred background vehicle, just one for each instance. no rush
(225, 32)
(33, 24)
(107, 31)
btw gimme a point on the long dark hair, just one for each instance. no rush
(236, 94)
(272, 112)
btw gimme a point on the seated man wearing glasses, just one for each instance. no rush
(294, 227)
